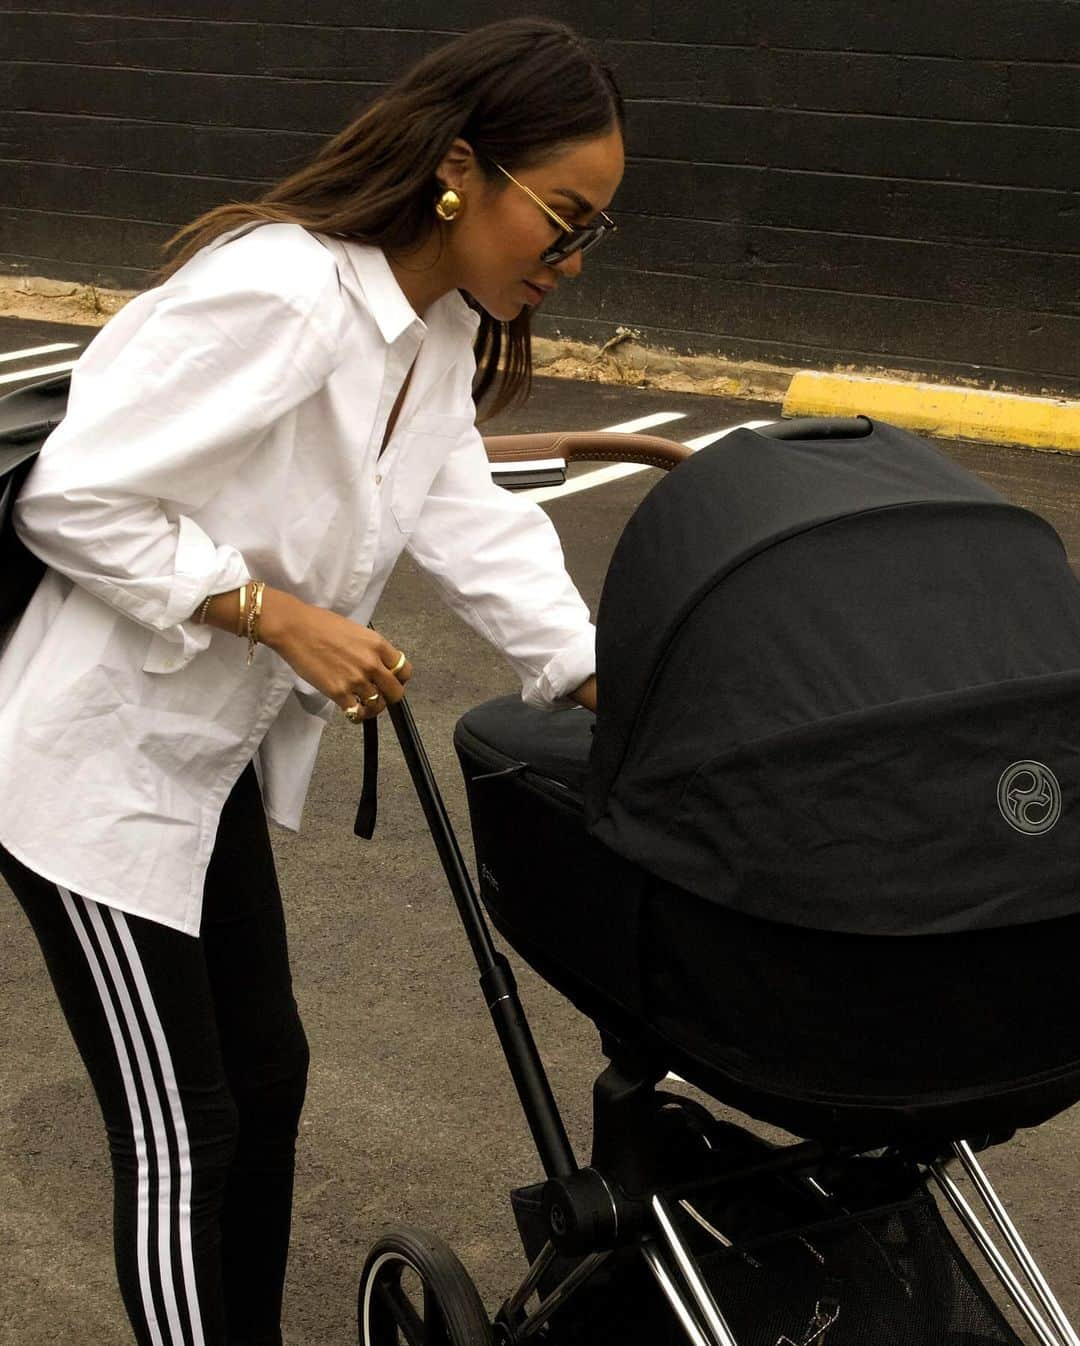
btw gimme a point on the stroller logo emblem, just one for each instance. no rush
(1029, 798)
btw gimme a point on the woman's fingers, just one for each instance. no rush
(391, 674)
(400, 668)
(385, 684)
(360, 670)
(363, 704)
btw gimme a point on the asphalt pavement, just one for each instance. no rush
(411, 1114)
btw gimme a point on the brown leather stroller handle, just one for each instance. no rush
(580, 446)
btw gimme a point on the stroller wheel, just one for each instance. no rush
(415, 1292)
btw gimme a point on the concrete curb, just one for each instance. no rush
(41, 299)
(625, 360)
(946, 411)
(940, 410)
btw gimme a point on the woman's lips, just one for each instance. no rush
(535, 290)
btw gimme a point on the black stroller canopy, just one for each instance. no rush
(838, 685)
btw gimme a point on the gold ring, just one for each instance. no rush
(367, 700)
(400, 663)
(354, 714)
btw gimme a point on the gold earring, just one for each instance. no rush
(449, 205)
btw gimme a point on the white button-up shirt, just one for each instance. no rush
(223, 426)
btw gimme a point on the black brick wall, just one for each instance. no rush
(809, 181)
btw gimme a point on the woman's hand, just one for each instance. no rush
(347, 662)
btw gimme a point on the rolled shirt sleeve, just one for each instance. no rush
(182, 393)
(499, 562)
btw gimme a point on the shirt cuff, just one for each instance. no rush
(563, 673)
(202, 569)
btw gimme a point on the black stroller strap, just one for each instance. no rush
(368, 806)
(369, 790)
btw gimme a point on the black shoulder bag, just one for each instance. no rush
(27, 418)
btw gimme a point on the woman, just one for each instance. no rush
(248, 448)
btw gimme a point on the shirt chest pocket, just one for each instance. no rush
(421, 449)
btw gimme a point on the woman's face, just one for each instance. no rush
(497, 240)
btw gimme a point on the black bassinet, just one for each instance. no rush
(820, 849)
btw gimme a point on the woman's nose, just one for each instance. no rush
(570, 266)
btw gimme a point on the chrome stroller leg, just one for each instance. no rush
(534, 1321)
(1019, 1249)
(699, 1290)
(673, 1296)
(1061, 1333)
(521, 1296)
(561, 1294)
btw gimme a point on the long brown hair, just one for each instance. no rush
(517, 91)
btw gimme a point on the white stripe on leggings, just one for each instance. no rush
(157, 1124)
(120, 1047)
(172, 1094)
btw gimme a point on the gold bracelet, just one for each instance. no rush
(253, 615)
(204, 608)
(241, 621)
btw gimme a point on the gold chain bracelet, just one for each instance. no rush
(254, 613)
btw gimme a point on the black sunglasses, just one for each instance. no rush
(570, 240)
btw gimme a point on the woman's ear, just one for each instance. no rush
(457, 165)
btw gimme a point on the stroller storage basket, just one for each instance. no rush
(889, 1273)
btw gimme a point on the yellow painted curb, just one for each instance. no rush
(937, 409)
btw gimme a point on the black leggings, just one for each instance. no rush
(199, 1061)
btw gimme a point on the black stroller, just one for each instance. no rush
(817, 856)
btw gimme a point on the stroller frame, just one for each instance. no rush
(587, 1218)
(617, 1201)
(1061, 1330)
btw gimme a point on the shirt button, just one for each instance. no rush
(378, 478)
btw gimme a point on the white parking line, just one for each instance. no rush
(602, 476)
(644, 423)
(38, 350)
(703, 441)
(39, 371)
(585, 482)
